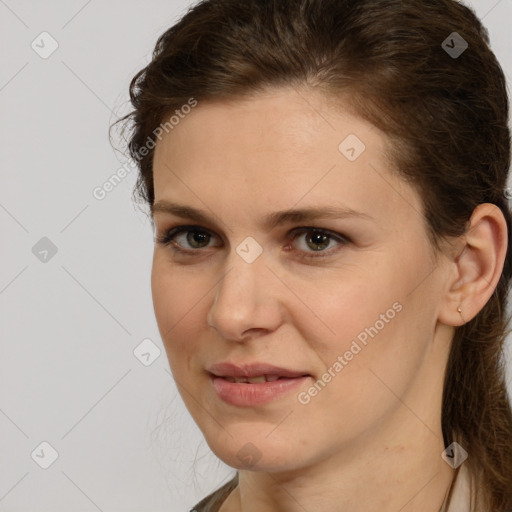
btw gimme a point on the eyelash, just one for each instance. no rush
(168, 239)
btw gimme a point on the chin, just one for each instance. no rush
(254, 455)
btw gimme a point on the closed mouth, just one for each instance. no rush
(254, 380)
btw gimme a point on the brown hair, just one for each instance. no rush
(446, 117)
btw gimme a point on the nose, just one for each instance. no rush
(246, 303)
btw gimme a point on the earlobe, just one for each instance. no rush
(478, 266)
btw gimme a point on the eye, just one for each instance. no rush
(319, 241)
(307, 242)
(186, 238)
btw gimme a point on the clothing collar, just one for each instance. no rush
(459, 500)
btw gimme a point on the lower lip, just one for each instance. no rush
(243, 394)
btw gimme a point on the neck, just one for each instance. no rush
(398, 477)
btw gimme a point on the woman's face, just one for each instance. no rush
(303, 257)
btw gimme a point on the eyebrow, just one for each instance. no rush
(271, 221)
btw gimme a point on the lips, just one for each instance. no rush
(251, 371)
(252, 385)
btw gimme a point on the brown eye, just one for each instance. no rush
(187, 238)
(198, 239)
(318, 241)
(314, 242)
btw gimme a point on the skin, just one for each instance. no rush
(371, 439)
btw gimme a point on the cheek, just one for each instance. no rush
(179, 311)
(346, 305)
(368, 317)
(382, 332)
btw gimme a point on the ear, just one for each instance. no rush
(477, 266)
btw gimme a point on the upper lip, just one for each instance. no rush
(252, 370)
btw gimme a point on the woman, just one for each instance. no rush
(327, 184)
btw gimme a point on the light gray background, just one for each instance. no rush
(69, 326)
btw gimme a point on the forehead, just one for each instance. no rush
(278, 148)
(279, 121)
